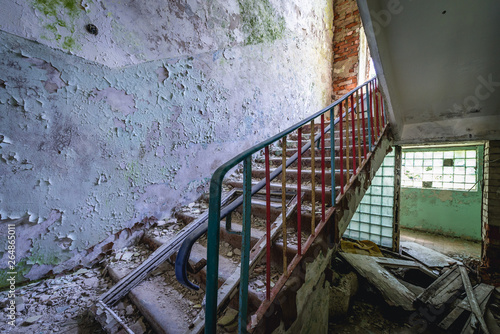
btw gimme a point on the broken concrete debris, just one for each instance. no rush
(58, 304)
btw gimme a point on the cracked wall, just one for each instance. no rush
(99, 132)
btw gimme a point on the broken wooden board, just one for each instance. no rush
(427, 256)
(397, 263)
(476, 308)
(482, 292)
(471, 325)
(395, 293)
(442, 289)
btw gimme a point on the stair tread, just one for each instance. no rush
(172, 313)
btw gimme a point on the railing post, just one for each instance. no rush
(377, 112)
(313, 182)
(353, 136)
(363, 122)
(299, 192)
(382, 109)
(268, 225)
(323, 189)
(245, 244)
(372, 113)
(341, 147)
(347, 158)
(360, 159)
(283, 202)
(332, 153)
(213, 255)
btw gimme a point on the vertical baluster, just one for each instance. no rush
(245, 244)
(228, 221)
(363, 123)
(313, 182)
(382, 109)
(347, 158)
(268, 225)
(384, 116)
(372, 112)
(353, 132)
(283, 203)
(341, 147)
(299, 192)
(332, 152)
(377, 116)
(368, 117)
(323, 186)
(357, 126)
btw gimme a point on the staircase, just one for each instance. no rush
(281, 208)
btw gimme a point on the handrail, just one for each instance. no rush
(182, 259)
(215, 213)
(181, 262)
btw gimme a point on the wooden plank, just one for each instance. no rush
(482, 292)
(439, 283)
(427, 256)
(389, 262)
(474, 305)
(470, 326)
(395, 293)
(447, 291)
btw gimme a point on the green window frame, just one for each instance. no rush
(444, 168)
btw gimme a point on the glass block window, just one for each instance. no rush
(452, 169)
(373, 217)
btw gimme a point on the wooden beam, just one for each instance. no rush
(395, 293)
(474, 305)
(482, 292)
(427, 256)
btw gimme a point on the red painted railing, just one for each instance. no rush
(357, 120)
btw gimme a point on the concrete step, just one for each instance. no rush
(170, 307)
(306, 174)
(306, 161)
(306, 135)
(317, 152)
(306, 189)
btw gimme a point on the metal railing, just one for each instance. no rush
(363, 109)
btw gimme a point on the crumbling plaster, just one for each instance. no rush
(89, 146)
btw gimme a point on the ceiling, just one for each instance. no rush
(438, 65)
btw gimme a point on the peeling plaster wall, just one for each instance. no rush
(89, 146)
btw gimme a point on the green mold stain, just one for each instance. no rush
(51, 7)
(57, 11)
(69, 43)
(260, 22)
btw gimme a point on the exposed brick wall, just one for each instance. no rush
(347, 24)
(490, 266)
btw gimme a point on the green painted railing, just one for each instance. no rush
(365, 105)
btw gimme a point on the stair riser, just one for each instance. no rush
(306, 162)
(307, 154)
(291, 175)
(306, 190)
(261, 211)
(317, 124)
(292, 139)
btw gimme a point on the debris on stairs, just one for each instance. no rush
(289, 242)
